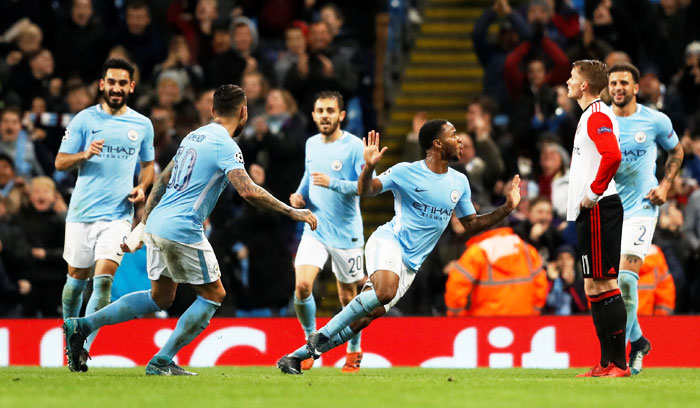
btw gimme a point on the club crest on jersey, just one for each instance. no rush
(132, 135)
(640, 137)
(454, 196)
(336, 165)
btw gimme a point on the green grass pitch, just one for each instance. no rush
(328, 388)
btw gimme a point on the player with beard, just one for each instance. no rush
(329, 188)
(105, 143)
(426, 193)
(177, 250)
(641, 129)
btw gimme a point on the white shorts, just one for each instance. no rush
(348, 264)
(386, 254)
(87, 242)
(637, 233)
(195, 264)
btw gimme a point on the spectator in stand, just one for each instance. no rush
(669, 15)
(12, 188)
(411, 147)
(554, 163)
(565, 295)
(244, 39)
(538, 230)
(32, 78)
(170, 95)
(588, 46)
(79, 43)
(165, 138)
(26, 37)
(614, 24)
(535, 104)
(43, 223)
(196, 27)
(689, 82)
(488, 143)
(256, 88)
(492, 53)
(498, 275)
(226, 65)
(13, 247)
(295, 37)
(320, 69)
(278, 144)
(657, 292)
(203, 104)
(180, 62)
(143, 42)
(18, 144)
(655, 95)
(560, 23)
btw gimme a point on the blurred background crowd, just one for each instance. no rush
(282, 52)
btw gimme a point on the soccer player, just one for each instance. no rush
(641, 129)
(104, 142)
(178, 252)
(426, 193)
(334, 161)
(596, 208)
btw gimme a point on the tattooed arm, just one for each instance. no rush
(658, 194)
(158, 190)
(259, 197)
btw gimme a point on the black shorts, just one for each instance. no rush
(599, 232)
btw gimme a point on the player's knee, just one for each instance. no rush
(218, 295)
(163, 300)
(385, 295)
(303, 289)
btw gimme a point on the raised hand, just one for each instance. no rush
(512, 193)
(372, 154)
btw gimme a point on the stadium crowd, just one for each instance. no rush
(282, 53)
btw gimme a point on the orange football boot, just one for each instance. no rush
(352, 362)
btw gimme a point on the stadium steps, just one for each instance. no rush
(441, 76)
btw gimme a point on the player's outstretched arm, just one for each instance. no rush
(366, 185)
(658, 194)
(66, 161)
(474, 224)
(259, 197)
(158, 190)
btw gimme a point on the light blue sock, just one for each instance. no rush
(359, 307)
(127, 307)
(72, 297)
(628, 287)
(306, 313)
(101, 295)
(335, 341)
(354, 343)
(189, 325)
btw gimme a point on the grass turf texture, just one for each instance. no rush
(328, 387)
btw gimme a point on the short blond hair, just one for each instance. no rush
(42, 181)
(595, 73)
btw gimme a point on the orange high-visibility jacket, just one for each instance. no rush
(499, 274)
(657, 292)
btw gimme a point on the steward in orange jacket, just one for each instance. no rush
(657, 292)
(498, 275)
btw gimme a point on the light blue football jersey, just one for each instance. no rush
(424, 202)
(337, 208)
(105, 181)
(198, 177)
(639, 135)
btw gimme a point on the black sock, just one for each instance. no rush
(602, 339)
(613, 319)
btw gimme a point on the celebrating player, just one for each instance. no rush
(177, 250)
(426, 194)
(641, 129)
(104, 142)
(594, 205)
(329, 188)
